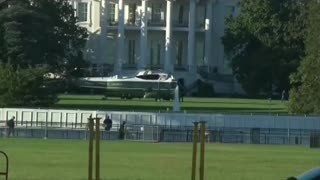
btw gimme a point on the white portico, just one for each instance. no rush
(179, 36)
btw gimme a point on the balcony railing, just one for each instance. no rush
(154, 66)
(112, 23)
(156, 23)
(129, 66)
(180, 24)
(180, 67)
(137, 22)
(133, 22)
(200, 25)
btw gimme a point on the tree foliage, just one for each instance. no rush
(304, 96)
(265, 43)
(25, 87)
(41, 32)
(22, 38)
(35, 34)
(65, 39)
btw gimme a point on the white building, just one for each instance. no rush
(179, 36)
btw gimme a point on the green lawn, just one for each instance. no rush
(37, 159)
(221, 105)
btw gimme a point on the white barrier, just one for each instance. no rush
(78, 118)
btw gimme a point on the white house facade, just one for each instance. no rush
(182, 37)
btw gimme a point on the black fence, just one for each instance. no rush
(168, 134)
(241, 135)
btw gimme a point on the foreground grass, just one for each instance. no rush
(190, 104)
(36, 159)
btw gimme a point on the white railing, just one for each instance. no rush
(78, 118)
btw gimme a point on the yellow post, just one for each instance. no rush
(98, 148)
(203, 130)
(194, 151)
(90, 148)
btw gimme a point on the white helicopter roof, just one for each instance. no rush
(140, 76)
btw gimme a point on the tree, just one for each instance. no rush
(22, 38)
(25, 87)
(41, 32)
(3, 4)
(265, 43)
(37, 34)
(304, 96)
(65, 40)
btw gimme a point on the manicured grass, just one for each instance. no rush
(190, 104)
(37, 159)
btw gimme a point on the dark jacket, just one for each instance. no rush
(10, 123)
(108, 124)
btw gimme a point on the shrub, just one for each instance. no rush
(25, 87)
(204, 89)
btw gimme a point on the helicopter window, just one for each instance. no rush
(163, 77)
(149, 76)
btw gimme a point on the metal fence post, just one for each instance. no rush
(194, 151)
(90, 121)
(202, 149)
(288, 131)
(143, 133)
(97, 148)
(46, 128)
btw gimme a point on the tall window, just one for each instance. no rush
(158, 52)
(156, 13)
(200, 15)
(151, 54)
(132, 13)
(155, 52)
(180, 18)
(111, 13)
(82, 12)
(131, 53)
(179, 53)
(200, 48)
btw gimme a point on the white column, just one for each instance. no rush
(75, 6)
(103, 38)
(143, 35)
(208, 24)
(120, 47)
(168, 65)
(191, 36)
(89, 16)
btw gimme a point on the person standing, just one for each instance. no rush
(122, 130)
(107, 123)
(10, 125)
(283, 94)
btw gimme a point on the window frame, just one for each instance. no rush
(156, 13)
(111, 13)
(83, 14)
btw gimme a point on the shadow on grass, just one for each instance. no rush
(163, 108)
(227, 102)
(214, 101)
(79, 99)
(101, 99)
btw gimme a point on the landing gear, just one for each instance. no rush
(122, 96)
(126, 96)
